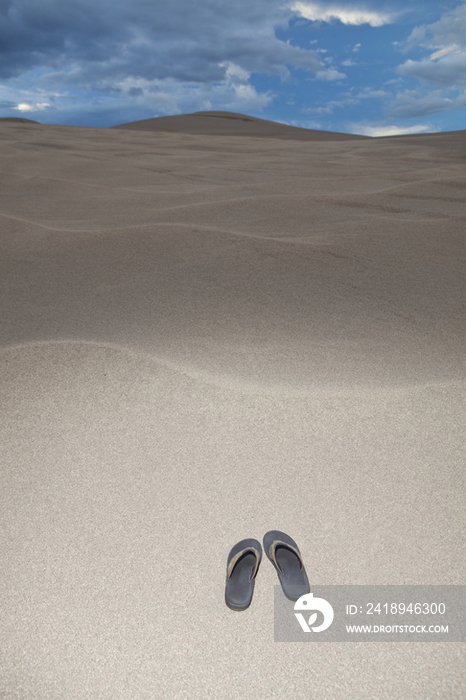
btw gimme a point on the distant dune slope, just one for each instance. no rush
(18, 119)
(232, 124)
(453, 143)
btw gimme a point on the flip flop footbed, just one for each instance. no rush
(284, 554)
(242, 567)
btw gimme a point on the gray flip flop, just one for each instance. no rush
(242, 566)
(284, 554)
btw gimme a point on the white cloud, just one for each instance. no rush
(448, 71)
(328, 109)
(237, 79)
(329, 74)
(415, 103)
(448, 31)
(247, 98)
(330, 106)
(377, 131)
(233, 93)
(348, 63)
(234, 73)
(416, 38)
(25, 107)
(443, 52)
(443, 68)
(347, 15)
(368, 93)
(446, 66)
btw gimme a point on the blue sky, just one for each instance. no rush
(370, 68)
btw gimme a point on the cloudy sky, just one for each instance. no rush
(367, 67)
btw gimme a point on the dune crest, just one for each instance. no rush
(233, 124)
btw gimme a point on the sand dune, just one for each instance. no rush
(205, 337)
(18, 120)
(232, 124)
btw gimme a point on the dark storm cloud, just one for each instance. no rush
(40, 34)
(185, 40)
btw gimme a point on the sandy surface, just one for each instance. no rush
(204, 338)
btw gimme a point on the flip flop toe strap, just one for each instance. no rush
(272, 554)
(234, 560)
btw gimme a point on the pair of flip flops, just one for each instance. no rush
(243, 565)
